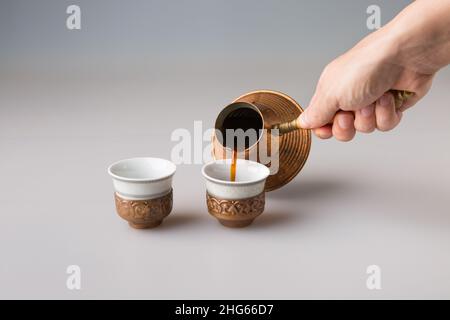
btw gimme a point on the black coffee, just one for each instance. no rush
(245, 119)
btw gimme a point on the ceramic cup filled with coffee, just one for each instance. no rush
(235, 202)
(257, 149)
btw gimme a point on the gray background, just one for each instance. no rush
(72, 102)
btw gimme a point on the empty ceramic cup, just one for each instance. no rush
(235, 203)
(143, 190)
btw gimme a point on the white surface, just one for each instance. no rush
(142, 178)
(382, 199)
(250, 179)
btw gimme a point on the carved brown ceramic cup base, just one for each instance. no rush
(144, 214)
(235, 213)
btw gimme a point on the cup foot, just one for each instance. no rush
(235, 223)
(147, 225)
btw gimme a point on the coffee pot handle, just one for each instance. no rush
(400, 96)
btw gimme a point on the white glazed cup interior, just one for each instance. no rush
(142, 178)
(142, 169)
(247, 172)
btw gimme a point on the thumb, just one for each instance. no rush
(320, 112)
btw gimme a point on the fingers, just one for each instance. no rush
(365, 120)
(320, 112)
(324, 132)
(387, 116)
(381, 115)
(343, 126)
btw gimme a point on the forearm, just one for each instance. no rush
(420, 35)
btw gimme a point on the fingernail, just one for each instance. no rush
(304, 120)
(385, 100)
(344, 122)
(367, 111)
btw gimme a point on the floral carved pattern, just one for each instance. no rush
(144, 211)
(236, 209)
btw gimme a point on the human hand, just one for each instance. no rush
(352, 92)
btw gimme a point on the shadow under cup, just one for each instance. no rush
(235, 203)
(143, 190)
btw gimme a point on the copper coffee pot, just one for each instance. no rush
(266, 109)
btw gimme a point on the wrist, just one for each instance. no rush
(419, 37)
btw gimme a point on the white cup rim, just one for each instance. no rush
(266, 172)
(115, 175)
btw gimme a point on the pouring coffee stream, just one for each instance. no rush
(233, 166)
